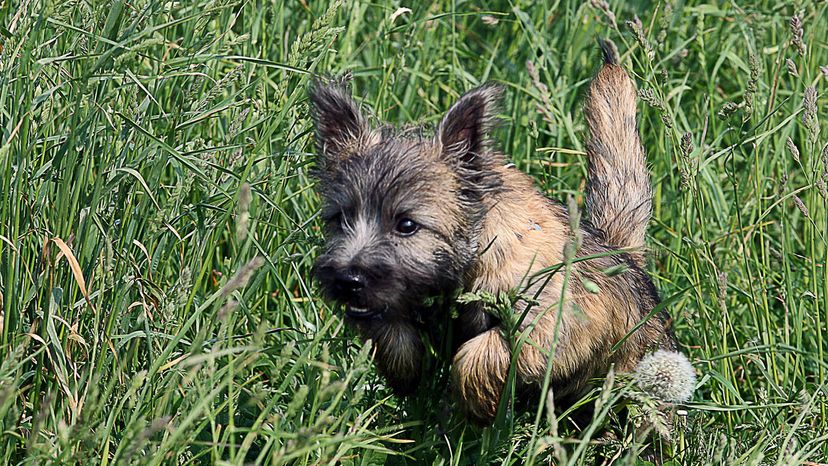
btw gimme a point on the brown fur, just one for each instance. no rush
(482, 225)
(591, 323)
(398, 351)
(619, 196)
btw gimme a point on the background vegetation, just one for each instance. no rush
(150, 151)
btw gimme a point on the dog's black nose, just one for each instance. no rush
(349, 283)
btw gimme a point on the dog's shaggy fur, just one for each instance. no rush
(411, 215)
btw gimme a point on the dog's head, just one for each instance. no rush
(403, 209)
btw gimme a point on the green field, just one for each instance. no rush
(150, 151)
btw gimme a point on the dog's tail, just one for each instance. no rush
(618, 191)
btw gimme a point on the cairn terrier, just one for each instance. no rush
(411, 214)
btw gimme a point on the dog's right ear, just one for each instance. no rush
(464, 137)
(464, 132)
(339, 123)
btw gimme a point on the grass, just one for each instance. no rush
(150, 151)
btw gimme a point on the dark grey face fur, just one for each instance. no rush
(402, 209)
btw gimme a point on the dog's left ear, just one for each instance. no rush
(339, 123)
(464, 132)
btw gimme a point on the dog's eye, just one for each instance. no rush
(407, 227)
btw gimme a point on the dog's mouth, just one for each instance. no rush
(357, 312)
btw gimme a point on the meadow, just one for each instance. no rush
(158, 224)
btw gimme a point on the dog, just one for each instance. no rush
(411, 214)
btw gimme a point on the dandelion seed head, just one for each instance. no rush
(666, 375)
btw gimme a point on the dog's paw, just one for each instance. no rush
(479, 373)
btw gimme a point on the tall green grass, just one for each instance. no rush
(151, 151)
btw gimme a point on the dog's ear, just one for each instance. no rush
(463, 134)
(339, 123)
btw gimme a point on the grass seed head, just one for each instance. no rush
(792, 149)
(825, 157)
(574, 244)
(722, 297)
(809, 117)
(687, 148)
(637, 28)
(605, 8)
(821, 186)
(797, 32)
(687, 143)
(243, 213)
(801, 206)
(243, 276)
(791, 67)
(729, 108)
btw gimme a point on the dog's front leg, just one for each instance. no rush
(398, 351)
(481, 366)
(479, 373)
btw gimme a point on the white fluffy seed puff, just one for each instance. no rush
(666, 375)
